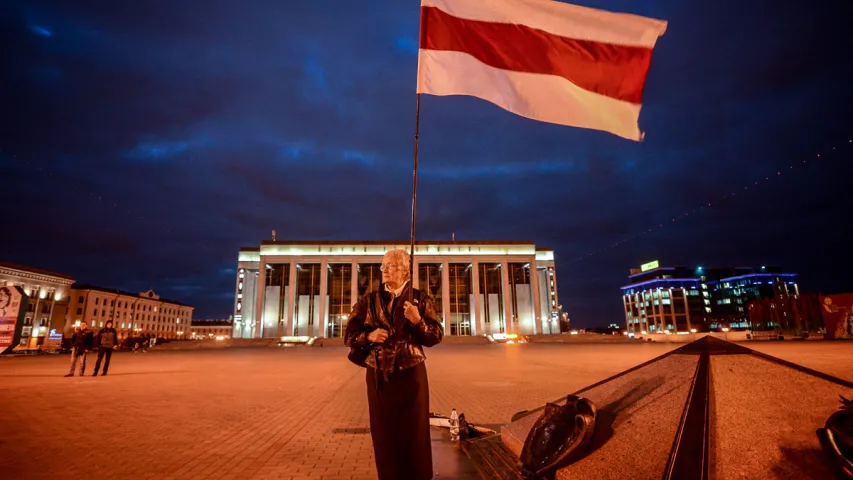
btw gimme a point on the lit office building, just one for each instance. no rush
(289, 288)
(218, 329)
(685, 299)
(133, 315)
(47, 304)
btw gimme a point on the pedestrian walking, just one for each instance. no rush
(386, 334)
(81, 343)
(106, 342)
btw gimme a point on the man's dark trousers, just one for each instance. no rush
(101, 352)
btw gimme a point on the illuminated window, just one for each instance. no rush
(460, 289)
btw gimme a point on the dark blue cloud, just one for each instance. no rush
(41, 31)
(146, 143)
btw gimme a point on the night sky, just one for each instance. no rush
(143, 143)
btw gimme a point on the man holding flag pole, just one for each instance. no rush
(541, 59)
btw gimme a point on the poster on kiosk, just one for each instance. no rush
(837, 313)
(13, 303)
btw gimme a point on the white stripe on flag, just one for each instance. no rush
(563, 19)
(546, 98)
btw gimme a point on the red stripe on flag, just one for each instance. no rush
(616, 71)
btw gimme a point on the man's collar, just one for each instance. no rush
(397, 292)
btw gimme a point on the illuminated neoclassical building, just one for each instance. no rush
(308, 288)
(47, 305)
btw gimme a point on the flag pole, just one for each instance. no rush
(412, 272)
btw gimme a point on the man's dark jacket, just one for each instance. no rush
(105, 334)
(404, 346)
(82, 340)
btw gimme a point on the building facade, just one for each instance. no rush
(286, 288)
(684, 299)
(48, 294)
(210, 329)
(133, 315)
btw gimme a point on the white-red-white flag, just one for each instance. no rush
(541, 59)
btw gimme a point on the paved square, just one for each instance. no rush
(278, 413)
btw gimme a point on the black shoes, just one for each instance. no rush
(70, 375)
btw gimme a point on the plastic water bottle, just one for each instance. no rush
(454, 426)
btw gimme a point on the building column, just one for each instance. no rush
(445, 295)
(656, 311)
(281, 325)
(35, 322)
(260, 289)
(132, 313)
(50, 313)
(235, 312)
(646, 318)
(415, 278)
(291, 298)
(115, 308)
(506, 295)
(686, 310)
(478, 323)
(324, 296)
(534, 295)
(354, 284)
(556, 293)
